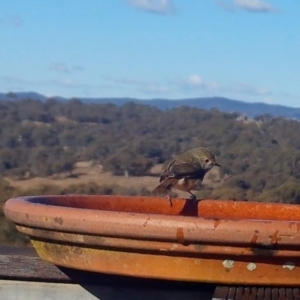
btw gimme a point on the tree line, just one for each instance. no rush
(45, 138)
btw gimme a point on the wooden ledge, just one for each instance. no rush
(23, 273)
(23, 264)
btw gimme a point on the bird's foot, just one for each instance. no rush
(170, 200)
(193, 197)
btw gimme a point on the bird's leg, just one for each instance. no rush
(170, 200)
(193, 197)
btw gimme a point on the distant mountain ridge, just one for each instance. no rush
(222, 104)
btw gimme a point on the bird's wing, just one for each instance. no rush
(181, 169)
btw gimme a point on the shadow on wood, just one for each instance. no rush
(22, 271)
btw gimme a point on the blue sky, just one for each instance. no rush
(242, 49)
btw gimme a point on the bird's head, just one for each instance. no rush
(208, 160)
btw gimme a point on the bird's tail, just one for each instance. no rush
(165, 187)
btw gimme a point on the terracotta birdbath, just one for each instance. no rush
(207, 241)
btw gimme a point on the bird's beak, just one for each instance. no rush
(217, 164)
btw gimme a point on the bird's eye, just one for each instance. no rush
(207, 160)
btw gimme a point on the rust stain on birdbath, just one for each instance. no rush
(207, 241)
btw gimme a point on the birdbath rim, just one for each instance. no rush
(214, 241)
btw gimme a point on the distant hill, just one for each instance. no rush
(222, 104)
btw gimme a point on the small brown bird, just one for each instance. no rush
(186, 172)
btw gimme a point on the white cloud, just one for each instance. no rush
(6, 79)
(244, 88)
(155, 88)
(248, 92)
(59, 67)
(289, 95)
(195, 80)
(66, 82)
(154, 6)
(13, 83)
(194, 85)
(147, 87)
(62, 67)
(256, 6)
(125, 81)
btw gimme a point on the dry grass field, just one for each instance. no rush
(86, 172)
